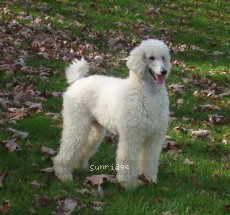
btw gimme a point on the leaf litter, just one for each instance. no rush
(48, 44)
(68, 206)
(17, 133)
(11, 145)
(202, 134)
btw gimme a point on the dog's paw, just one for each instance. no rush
(64, 177)
(127, 184)
(152, 178)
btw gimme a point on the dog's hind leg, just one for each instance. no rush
(76, 129)
(96, 135)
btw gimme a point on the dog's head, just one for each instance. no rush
(150, 59)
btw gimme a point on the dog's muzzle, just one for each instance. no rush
(159, 79)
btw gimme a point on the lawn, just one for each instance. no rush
(39, 38)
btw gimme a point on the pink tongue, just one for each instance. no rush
(160, 79)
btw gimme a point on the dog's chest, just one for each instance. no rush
(155, 112)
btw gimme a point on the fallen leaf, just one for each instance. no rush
(158, 201)
(188, 162)
(85, 192)
(36, 184)
(70, 204)
(17, 113)
(196, 94)
(5, 207)
(218, 119)
(99, 179)
(42, 201)
(53, 115)
(202, 134)
(48, 151)
(169, 144)
(209, 107)
(11, 145)
(48, 169)
(142, 180)
(98, 208)
(177, 88)
(172, 145)
(33, 105)
(98, 204)
(56, 94)
(185, 119)
(217, 53)
(67, 206)
(201, 192)
(226, 139)
(5, 103)
(17, 133)
(180, 129)
(180, 102)
(173, 154)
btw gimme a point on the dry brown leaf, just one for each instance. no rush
(98, 204)
(169, 144)
(202, 134)
(85, 192)
(53, 115)
(36, 184)
(209, 107)
(218, 119)
(48, 151)
(99, 179)
(178, 88)
(11, 145)
(188, 162)
(180, 102)
(17, 113)
(56, 94)
(180, 129)
(173, 154)
(42, 201)
(48, 170)
(5, 207)
(226, 139)
(33, 105)
(68, 206)
(142, 180)
(17, 133)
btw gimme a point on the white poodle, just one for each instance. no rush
(135, 108)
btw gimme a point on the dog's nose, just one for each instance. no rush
(164, 72)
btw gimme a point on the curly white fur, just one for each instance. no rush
(78, 69)
(135, 108)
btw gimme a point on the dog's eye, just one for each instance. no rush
(163, 58)
(152, 58)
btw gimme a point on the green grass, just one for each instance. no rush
(201, 188)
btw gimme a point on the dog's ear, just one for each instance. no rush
(136, 61)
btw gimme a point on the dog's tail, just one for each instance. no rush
(76, 70)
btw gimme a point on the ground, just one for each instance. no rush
(38, 39)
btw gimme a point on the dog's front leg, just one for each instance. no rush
(149, 158)
(127, 160)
